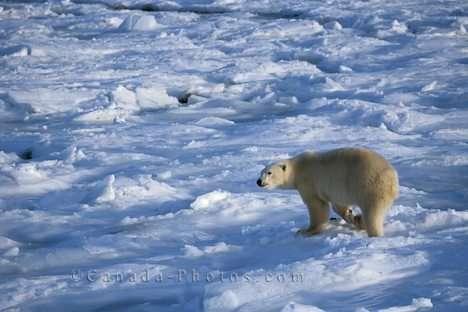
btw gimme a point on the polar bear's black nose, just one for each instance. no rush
(259, 182)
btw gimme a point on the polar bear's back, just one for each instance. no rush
(352, 176)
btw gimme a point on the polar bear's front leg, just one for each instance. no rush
(318, 215)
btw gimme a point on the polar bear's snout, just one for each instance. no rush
(261, 179)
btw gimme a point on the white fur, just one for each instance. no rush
(342, 177)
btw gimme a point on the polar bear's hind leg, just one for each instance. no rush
(373, 217)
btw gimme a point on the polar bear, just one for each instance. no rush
(342, 177)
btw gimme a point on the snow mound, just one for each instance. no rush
(125, 102)
(124, 99)
(154, 97)
(139, 23)
(209, 200)
(28, 173)
(443, 219)
(15, 51)
(108, 192)
(52, 100)
(297, 307)
(191, 251)
(214, 122)
(8, 247)
(220, 207)
(124, 192)
(417, 304)
(13, 110)
(7, 158)
(29, 178)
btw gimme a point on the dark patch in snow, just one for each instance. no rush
(151, 7)
(184, 98)
(26, 155)
(281, 15)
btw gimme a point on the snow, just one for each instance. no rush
(295, 307)
(416, 304)
(132, 133)
(139, 23)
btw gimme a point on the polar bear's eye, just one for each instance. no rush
(269, 172)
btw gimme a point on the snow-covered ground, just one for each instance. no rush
(132, 133)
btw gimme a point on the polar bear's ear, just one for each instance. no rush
(283, 166)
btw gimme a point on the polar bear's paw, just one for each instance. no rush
(306, 232)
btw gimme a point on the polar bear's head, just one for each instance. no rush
(277, 175)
